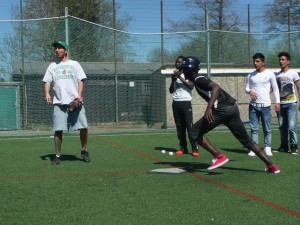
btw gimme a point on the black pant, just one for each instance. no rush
(183, 116)
(230, 117)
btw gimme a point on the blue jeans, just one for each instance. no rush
(287, 118)
(265, 113)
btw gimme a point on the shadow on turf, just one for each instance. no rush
(165, 148)
(192, 167)
(63, 157)
(236, 150)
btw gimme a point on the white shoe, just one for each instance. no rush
(268, 151)
(251, 153)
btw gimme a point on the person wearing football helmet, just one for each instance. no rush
(221, 109)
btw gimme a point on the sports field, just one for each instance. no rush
(116, 187)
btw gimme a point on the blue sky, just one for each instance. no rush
(5, 8)
(141, 10)
(145, 13)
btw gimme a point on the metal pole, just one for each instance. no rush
(67, 29)
(289, 29)
(162, 31)
(249, 37)
(24, 122)
(115, 62)
(208, 65)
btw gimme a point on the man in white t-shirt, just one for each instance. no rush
(67, 77)
(259, 85)
(287, 80)
(181, 89)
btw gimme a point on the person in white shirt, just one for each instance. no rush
(287, 80)
(181, 88)
(260, 83)
(67, 77)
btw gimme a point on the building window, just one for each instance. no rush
(146, 88)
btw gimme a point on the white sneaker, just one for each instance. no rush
(268, 151)
(251, 153)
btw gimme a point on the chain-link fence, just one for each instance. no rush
(125, 87)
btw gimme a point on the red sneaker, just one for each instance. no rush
(218, 161)
(180, 152)
(272, 168)
(195, 153)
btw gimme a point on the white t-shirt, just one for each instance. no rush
(65, 77)
(261, 83)
(286, 81)
(181, 91)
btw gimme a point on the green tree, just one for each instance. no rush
(89, 26)
(222, 20)
(284, 16)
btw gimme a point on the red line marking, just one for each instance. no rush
(278, 207)
(281, 208)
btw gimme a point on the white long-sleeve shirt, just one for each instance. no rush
(261, 83)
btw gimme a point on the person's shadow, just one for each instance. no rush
(62, 157)
(190, 167)
(166, 148)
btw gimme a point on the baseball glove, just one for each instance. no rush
(74, 105)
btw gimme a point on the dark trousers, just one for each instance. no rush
(230, 117)
(183, 116)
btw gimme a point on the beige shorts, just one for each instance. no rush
(64, 121)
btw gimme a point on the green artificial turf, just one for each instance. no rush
(116, 187)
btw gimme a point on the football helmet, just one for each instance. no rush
(191, 64)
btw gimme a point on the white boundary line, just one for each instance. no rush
(109, 135)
